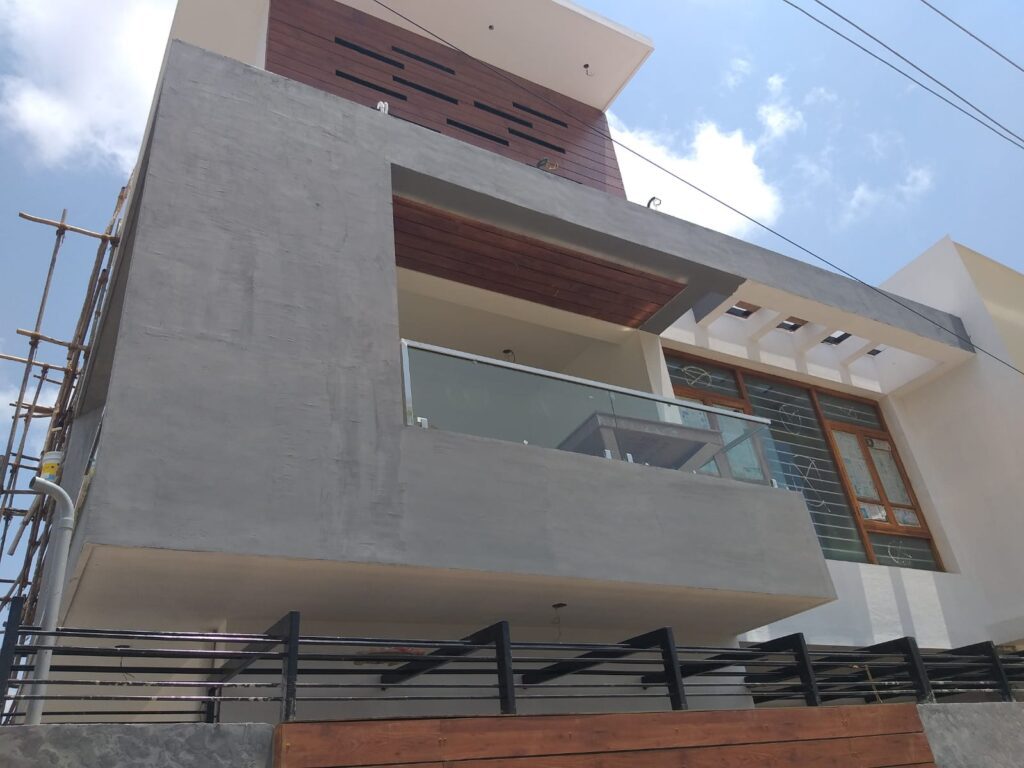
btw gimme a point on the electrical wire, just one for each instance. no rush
(500, 73)
(911, 78)
(966, 31)
(931, 77)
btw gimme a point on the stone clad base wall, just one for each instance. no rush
(189, 745)
(987, 735)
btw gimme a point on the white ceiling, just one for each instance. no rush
(457, 316)
(544, 41)
(177, 590)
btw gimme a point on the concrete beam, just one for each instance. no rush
(708, 295)
(712, 306)
(810, 335)
(858, 353)
(765, 321)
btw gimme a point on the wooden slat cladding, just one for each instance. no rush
(467, 251)
(879, 736)
(346, 52)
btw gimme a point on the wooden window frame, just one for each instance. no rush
(828, 426)
(719, 400)
(892, 526)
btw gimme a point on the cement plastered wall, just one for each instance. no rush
(235, 28)
(963, 431)
(581, 516)
(254, 399)
(987, 735)
(246, 745)
(875, 603)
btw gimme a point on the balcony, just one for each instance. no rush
(562, 489)
(474, 395)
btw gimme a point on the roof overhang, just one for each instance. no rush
(811, 340)
(547, 42)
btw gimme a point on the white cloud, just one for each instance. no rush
(881, 143)
(724, 164)
(81, 76)
(861, 203)
(865, 198)
(820, 95)
(738, 71)
(777, 117)
(816, 171)
(917, 182)
(779, 120)
(38, 426)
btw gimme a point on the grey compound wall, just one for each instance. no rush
(243, 745)
(254, 401)
(989, 735)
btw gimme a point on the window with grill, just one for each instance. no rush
(887, 507)
(834, 450)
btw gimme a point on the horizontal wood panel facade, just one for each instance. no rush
(878, 736)
(456, 248)
(351, 54)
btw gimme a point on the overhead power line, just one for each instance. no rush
(931, 77)
(911, 78)
(586, 126)
(966, 31)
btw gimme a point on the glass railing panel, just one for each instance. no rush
(462, 393)
(475, 398)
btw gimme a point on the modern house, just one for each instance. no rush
(388, 345)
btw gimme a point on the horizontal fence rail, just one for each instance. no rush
(129, 675)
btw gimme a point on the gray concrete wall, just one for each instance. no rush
(76, 458)
(989, 735)
(245, 745)
(254, 401)
(557, 513)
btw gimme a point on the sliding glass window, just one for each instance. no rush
(832, 448)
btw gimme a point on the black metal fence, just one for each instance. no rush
(103, 675)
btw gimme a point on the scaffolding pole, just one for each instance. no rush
(16, 467)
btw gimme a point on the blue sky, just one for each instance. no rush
(748, 97)
(866, 168)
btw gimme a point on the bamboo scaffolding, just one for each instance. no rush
(34, 524)
(44, 337)
(27, 361)
(62, 225)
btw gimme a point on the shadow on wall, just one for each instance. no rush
(877, 603)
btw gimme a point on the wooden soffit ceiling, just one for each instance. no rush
(472, 252)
